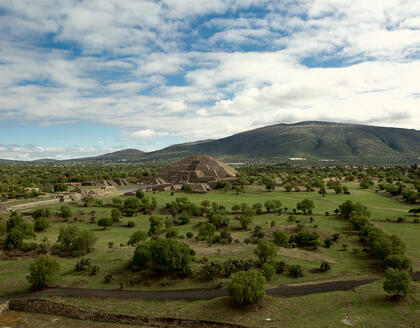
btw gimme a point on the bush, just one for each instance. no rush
(258, 233)
(247, 287)
(325, 266)
(189, 235)
(280, 266)
(281, 238)
(156, 225)
(131, 224)
(397, 283)
(212, 270)
(183, 219)
(41, 224)
(140, 194)
(136, 238)
(14, 239)
(73, 242)
(397, 261)
(306, 206)
(42, 272)
(186, 187)
(268, 271)
(305, 239)
(65, 212)
(296, 271)
(245, 221)
(265, 250)
(41, 212)
(206, 231)
(163, 255)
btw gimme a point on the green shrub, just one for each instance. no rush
(325, 266)
(268, 271)
(41, 224)
(247, 287)
(397, 283)
(43, 271)
(281, 238)
(296, 271)
(265, 250)
(136, 238)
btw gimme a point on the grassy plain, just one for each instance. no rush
(321, 310)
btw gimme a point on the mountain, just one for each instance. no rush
(125, 155)
(313, 141)
(310, 140)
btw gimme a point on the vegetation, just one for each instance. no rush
(43, 271)
(247, 287)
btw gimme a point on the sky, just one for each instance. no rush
(81, 78)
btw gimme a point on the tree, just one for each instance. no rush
(132, 203)
(265, 250)
(206, 231)
(137, 237)
(163, 255)
(397, 283)
(346, 208)
(247, 287)
(296, 271)
(105, 223)
(41, 212)
(268, 270)
(397, 261)
(140, 194)
(43, 271)
(281, 238)
(306, 206)
(156, 225)
(245, 221)
(270, 183)
(14, 239)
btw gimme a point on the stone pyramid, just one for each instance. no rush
(196, 169)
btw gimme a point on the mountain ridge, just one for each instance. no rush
(315, 140)
(312, 140)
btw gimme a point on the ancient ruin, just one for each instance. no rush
(201, 172)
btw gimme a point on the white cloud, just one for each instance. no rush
(145, 68)
(32, 152)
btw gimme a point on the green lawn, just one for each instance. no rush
(349, 264)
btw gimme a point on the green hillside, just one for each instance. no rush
(310, 140)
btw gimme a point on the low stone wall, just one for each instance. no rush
(74, 312)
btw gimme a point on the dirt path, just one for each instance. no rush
(193, 294)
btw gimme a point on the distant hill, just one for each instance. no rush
(310, 140)
(128, 155)
(313, 141)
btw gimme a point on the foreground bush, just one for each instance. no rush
(43, 271)
(247, 287)
(397, 283)
(163, 255)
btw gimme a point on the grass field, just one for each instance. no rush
(305, 311)
(353, 263)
